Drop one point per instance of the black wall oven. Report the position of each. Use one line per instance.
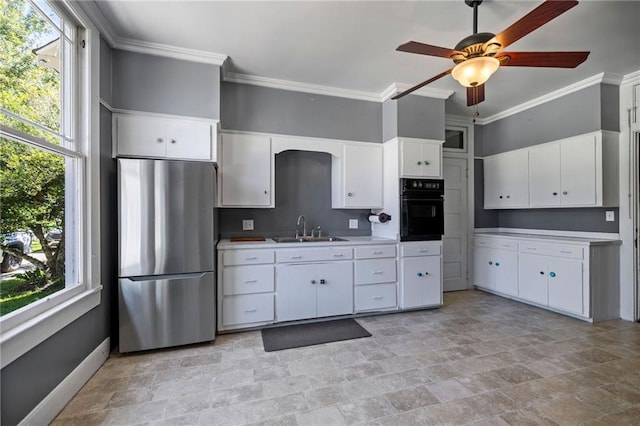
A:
(421, 209)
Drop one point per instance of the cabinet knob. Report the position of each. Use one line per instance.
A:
(419, 274)
(497, 264)
(552, 274)
(173, 141)
(159, 140)
(426, 163)
(323, 281)
(500, 197)
(555, 193)
(419, 163)
(490, 263)
(508, 196)
(349, 194)
(426, 274)
(265, 191)
(564, 192)
(313, 281)
(541, 272)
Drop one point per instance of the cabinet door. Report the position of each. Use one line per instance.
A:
(188, 140)
(507, 180)
(245, 171)
(411, 159)
(532, 277)
(362, 170)
(492, 186)
(578, 171)
(140, 136)
(421, 284)
(335, 289)
(431, 154)
(565, 285)
(544, 175)
(296, 292)
(505, 264)
(482, 268)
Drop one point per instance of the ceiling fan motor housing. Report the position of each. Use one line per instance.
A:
(473, 46)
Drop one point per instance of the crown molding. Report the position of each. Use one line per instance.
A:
(428, 92)
(606, 78)
(168, 51)
(99, 20)
(300, 87)
(632, 78)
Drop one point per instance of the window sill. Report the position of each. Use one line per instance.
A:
(19, 340)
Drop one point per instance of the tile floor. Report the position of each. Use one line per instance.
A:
(480, 359)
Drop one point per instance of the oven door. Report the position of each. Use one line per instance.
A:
(422, 219)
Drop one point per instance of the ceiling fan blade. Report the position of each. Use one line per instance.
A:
(542, 59)
(424, 83)
(426, 49)
(475, 95)
(539, 16)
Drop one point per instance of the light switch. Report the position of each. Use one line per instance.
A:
(610, 216)
(353, 223)
(247, 225)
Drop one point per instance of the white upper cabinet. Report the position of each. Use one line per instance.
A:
(420, 158)
(357, 177)
(149, 136)
(576, 172)
(580, 171)
(506, 180)
(245, 176)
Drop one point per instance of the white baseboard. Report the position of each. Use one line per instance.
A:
(52, 404)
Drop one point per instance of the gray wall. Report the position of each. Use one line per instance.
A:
(165, 85)
(263, 109)
(389, 120)
(303, 186)
(592, 108)
(421, 117)
(30, 378)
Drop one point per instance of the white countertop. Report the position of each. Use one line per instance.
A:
(549, 238)
(227, 244)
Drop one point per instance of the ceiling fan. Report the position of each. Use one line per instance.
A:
(479, 55)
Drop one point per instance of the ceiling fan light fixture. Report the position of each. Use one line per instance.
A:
(475, 71)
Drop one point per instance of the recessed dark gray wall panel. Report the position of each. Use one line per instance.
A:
(165, 85)
(389, 120)
(106, 59)
(478, 141)
(421, 117)
(263, 109)
(570, 115)
(610, 111)
(303, 186)
(482, 218)
(579, 219)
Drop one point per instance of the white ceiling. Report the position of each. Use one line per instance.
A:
(351, 44)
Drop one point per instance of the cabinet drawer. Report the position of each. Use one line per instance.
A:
(572, 252)
(247, 309)
(313, 255)
(375, 271)
(247, 279)
(374, 297)
(247, 257)
(497, 243)
(372, 252)
(420, 249)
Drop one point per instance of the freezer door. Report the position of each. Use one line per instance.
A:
(166, 217)
(166, 311)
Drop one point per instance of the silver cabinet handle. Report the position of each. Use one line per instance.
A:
(377, 297)
(377, 272)
(250, 281)
(338, 255)
(251, 258)
(424, 250)
(296, 257)
(250, 310)
(377, 252)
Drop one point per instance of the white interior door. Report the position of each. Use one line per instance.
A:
(455, 237)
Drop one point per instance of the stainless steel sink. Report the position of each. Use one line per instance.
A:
(306, 239)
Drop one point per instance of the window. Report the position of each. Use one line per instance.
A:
(455, 138)
(47, 159)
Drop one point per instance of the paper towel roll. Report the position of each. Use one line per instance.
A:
(379, 218)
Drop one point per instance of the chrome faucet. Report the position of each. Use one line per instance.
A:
(304, 226)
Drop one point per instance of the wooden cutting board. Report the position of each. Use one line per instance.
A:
(246, 239)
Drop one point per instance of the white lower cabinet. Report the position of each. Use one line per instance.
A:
(573, 276)
(421, 277)
(313, 290)
(375, 274)
(247, 309)
(375, 297)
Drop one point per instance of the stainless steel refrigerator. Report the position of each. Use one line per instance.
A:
(166, 256)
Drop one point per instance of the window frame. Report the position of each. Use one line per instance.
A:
(21, 332)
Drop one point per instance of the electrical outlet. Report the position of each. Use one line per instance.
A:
(353, 223)
(247, 225)
(610, 216)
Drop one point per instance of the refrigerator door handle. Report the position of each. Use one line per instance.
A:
(167, 277)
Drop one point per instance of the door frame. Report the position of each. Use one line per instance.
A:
(466, 125)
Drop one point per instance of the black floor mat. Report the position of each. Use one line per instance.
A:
(296, 336)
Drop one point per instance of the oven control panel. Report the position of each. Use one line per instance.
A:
(422, 184)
